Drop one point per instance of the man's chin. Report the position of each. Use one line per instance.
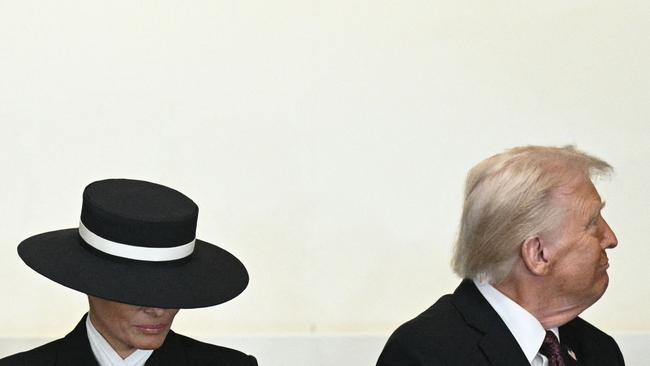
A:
(605, 282)
(600, 287)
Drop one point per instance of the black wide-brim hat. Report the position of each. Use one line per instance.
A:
(136, 244)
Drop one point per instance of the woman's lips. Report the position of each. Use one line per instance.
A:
(152, 328)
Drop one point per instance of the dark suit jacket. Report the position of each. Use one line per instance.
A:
(463, 329)
(177, 350)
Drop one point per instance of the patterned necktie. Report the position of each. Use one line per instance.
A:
(552, 350)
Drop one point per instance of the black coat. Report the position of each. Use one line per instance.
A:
(177, 350)
(463, 329)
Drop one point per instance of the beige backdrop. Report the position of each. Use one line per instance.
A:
(326, 142)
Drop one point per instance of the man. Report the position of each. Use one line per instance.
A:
(136, 257)
(531, 250)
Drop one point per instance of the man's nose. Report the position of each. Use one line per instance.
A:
(610, 241)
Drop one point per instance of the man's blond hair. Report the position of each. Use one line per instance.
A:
(508, 198)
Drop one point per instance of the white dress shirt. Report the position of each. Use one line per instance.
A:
(526, 329)
(106, 355)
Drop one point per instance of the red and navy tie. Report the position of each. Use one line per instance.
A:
(552, 350)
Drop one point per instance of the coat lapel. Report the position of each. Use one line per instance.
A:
(570, 346)
(570, 356)
(75, 348)
(498, 344)
(171, 353)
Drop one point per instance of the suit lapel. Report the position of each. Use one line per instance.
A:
(498, 344)
(171, 353)
(75, 348)
(569, 355)
(571, 346)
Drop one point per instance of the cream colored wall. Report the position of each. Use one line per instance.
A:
(326, 142)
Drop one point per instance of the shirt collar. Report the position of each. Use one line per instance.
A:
(106, 355)
(526, 329)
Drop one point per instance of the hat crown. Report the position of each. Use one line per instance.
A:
(139, 213)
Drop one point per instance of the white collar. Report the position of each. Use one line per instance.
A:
(106, 355)
(526, 329)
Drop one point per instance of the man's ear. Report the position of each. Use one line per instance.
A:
(535, 256)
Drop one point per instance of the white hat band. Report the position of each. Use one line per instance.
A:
(134, 252)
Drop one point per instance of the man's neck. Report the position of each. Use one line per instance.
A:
(550, 309)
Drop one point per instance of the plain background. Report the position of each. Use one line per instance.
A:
(325, 142)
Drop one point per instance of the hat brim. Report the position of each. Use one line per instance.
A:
(210, 276)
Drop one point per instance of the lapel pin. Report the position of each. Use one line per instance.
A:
(572, 354)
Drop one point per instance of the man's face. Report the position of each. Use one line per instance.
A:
(130, 327)
(579, 265)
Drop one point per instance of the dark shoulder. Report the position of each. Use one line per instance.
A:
(433, 323)
(42, 355)
(427, 338)
(201, 351)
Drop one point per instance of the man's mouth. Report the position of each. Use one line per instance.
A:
(604, 264)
